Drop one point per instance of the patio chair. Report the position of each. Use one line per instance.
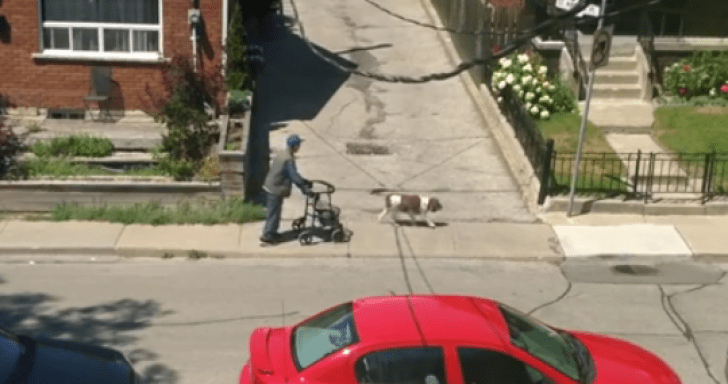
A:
(100, 91)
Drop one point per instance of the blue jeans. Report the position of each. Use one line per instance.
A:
(274, 206)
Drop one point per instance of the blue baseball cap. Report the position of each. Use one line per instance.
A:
(293, 140)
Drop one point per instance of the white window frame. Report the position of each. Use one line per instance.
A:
(100, 54)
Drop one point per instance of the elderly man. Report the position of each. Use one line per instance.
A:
(277, 185)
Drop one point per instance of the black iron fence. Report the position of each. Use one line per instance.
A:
(642, 175)
(636, 175)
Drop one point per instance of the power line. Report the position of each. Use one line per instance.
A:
(489, 33)
(442, 75)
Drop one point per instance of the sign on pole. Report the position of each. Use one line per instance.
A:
(600, 49)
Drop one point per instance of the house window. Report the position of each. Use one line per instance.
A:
(98, 28)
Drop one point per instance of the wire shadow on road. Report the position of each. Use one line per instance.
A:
(112, 324)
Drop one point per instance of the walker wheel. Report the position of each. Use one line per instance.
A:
(306, 238)
(338, 236)
(298, 223)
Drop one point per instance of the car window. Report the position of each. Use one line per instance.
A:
(482, 366)
(541, 341)
(10, 351)
(324, 335)
(424, 365)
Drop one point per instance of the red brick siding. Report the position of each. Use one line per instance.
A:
(57, 84)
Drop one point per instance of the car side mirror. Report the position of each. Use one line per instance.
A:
(431, 379)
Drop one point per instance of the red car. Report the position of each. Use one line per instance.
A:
(439, 339)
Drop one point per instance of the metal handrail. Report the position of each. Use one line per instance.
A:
(646, 39)
(571, 39)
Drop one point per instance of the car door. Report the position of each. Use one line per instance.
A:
(402, 365)
(485, 366)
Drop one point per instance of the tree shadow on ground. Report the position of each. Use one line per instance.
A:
(111, 324)
(296, 83)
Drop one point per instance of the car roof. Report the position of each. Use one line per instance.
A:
(429, 319)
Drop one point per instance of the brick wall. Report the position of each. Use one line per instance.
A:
(44, 83)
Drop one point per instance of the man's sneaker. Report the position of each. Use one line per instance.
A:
(270, 240)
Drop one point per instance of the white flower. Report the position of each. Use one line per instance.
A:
(528, 68)
(544, 114)
(520, 94)
(546, 85)
(502, 60)
(506, 64)
(543, 70)
(713, 92)
(551, 87)
(517, 87)
(534, 81)
(535, 110)
(510, 79)
(539, 89)
(500, 99)
(544, 99)
(530, 96)
(527, 79)
(528, 106)
(523, 58)
(502, 85)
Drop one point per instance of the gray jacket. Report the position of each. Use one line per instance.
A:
(282, 173)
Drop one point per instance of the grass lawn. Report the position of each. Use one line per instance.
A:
(692, 129)
(210, 212)
(602, 172)
(564, 129)
(61, 167)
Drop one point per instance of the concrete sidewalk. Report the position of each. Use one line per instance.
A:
(587, 237)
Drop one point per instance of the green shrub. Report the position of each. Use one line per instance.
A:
(526, 76)
(705, 73)
(75, 145)
(184, 109)
(238, 75)
(210, 169)
(10, 145)
(238, 101)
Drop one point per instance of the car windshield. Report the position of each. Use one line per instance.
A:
(541, 341)
(10, 351)
(323, 335)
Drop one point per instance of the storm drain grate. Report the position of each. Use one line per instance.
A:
(637, 270)
(366, 149)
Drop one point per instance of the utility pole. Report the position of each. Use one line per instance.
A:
(582, 131)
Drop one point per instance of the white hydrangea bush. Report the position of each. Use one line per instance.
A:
(527, 78)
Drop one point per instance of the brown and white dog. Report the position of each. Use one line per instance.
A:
(412, 205)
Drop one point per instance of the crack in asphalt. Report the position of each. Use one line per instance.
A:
(205, 322)
(343, 155)
(556, 300)
(338, 114)
(469, 147)
(688, 333)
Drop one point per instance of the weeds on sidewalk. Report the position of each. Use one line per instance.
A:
(211, 212)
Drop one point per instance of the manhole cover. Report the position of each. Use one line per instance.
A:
(366, 149)
(637, 270)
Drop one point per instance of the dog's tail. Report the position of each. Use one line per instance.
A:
(379, 191)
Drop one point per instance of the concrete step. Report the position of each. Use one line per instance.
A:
(621, 116)
(617, 91)
(616, 63)
(616, 77)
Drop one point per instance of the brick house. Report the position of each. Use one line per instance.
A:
(48, 47)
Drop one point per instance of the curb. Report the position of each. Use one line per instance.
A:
(495, 122)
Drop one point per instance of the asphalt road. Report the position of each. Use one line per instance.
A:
(188, 321)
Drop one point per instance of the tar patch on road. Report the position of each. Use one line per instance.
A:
(641, 273)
